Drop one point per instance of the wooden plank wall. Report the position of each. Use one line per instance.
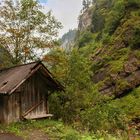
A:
(1, 108)
(14, 107)
(4, 108)
(29, 94)
(33, 93)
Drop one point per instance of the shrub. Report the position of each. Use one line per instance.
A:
(132, 3)
(72, 136)
(103, 117)
(115, 16)
(97, 22)
(85, 38)
(135, 41)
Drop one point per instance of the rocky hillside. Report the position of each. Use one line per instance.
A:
(67, 40)
(113, 30)
(85, 19)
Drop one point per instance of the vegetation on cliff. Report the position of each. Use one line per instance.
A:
(101, 74)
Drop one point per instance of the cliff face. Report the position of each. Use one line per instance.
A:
(67, 40)
(118, 61)
(115, 28)
(85, 20)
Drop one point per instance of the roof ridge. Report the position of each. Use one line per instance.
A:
(37, 62)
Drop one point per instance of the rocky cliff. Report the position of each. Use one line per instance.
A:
(85, 19)
(67, 40)
(115, 29)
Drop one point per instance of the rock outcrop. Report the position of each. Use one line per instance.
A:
(116, 59)
(85, 20)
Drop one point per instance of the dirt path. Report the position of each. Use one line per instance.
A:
(7, 136)
(37, 135)
(33, 135)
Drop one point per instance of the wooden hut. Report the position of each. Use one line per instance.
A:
(24, 92)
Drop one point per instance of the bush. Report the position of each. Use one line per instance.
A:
(103, 117)
(97, 22)
(85, 38)
(106, 39)
(132, 3)
(78, 87)
(135, 41)
(71, 136)
(115, 16)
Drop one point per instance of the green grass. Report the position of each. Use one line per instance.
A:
(55, 130)
(129, 104)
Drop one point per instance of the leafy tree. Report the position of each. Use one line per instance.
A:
(5, 58)
(57, 61)
(25, 29)
(73, 70)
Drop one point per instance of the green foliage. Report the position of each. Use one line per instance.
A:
(117, 65)
(113, 39)
(137, 54)
(5, 58)
(129, 104)
(77, 83)
(97, 22)
(115, 16)
(53, 129)
(103, 117)
(112, 116)
(121, 84)
(135, 41)
(57, 61)
(82, 102)
(85, 38)
(132, 3)
(106, 39)
(13, 128)
(71, 136)
(114, 32)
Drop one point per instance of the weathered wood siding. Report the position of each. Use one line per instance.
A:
(29, 100)
(3, 109)
(14, 107)
(32, 93)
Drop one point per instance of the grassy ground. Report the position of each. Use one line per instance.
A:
(51, 130)
(44, 129)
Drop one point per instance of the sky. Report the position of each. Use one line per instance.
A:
(66, 11)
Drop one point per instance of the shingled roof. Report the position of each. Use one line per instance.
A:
(12, 78)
